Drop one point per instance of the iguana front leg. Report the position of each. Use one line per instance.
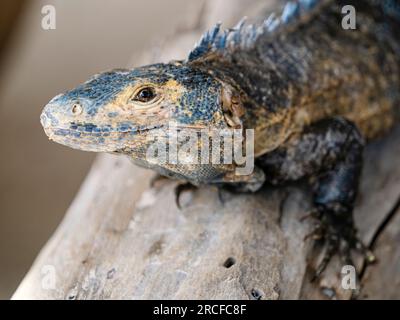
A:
(329, 153)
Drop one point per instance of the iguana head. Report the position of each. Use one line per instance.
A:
(116, 110)
(131, 111)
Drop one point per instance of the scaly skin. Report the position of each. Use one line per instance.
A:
(311, 91)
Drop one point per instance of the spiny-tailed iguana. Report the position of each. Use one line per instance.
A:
(311, 90)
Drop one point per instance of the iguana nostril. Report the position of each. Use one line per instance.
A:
(76, 109)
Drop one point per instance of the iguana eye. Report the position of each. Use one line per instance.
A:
(145, 95)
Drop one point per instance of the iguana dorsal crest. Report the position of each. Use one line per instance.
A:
(244, 36)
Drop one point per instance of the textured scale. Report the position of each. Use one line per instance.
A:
(244, 36)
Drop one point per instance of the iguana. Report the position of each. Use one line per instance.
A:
(312, 91)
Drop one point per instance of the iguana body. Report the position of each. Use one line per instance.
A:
(310, 89)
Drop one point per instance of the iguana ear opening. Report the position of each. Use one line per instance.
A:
(232, 107)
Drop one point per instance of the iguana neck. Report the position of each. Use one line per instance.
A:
(316, 70)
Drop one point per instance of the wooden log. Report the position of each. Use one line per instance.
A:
(122, 239)
(382, 280)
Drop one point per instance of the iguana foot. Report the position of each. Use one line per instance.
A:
(336, 231)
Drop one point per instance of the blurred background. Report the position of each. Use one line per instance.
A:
(38, 179)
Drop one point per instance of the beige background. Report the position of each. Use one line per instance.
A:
(38, 179)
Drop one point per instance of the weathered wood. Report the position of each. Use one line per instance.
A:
(382, 280)
(122, 239)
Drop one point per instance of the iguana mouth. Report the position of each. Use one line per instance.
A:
(97, 141)
(122, 128)
(78, 130)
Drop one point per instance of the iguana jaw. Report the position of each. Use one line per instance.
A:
(90, 137)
